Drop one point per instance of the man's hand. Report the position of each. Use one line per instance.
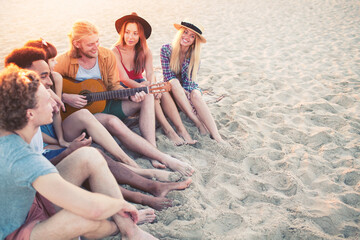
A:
(138, 97)
(129, 210)
(74, 100)
(79, 142)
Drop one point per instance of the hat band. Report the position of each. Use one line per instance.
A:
(193, 27)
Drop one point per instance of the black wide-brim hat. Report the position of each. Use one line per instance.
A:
(134, 17)
(193, 26)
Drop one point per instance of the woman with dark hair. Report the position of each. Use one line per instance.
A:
(133, 58)
(180, 62)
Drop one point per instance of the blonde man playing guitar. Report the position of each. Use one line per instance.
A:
(86, 60)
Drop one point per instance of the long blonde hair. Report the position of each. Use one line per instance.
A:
(79, 30)
(193, 53)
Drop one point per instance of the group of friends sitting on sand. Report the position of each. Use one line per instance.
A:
(54, 185)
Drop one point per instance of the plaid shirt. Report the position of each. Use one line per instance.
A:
(185, 80)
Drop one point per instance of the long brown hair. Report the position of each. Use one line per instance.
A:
(140, 48)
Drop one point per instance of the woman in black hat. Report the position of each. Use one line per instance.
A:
(180, 62)
(133, 58)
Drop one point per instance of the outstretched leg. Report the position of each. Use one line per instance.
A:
(124, 175)
(138, 144)
(82, 120)
(158, 203)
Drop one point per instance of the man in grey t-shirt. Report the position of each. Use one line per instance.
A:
(24, 106)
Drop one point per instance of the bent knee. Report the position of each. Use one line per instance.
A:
(113, 122)
(90, 157)
(195, 95)
(175, 83)
(83, 115)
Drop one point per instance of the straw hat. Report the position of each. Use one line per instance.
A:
(134, 17)
(193, 26)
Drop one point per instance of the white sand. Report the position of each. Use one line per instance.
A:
(290, 74)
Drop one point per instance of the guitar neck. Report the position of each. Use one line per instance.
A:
(115, 94)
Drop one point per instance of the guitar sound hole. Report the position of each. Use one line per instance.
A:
(86, 94)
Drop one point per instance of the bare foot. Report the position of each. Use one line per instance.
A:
(164, 176)
(157, 203)
(146, 216)
(157, 164)
(177, 165)
(178, 141)
(218, 138)
(187, 137)
(164, 188)
(202, 129)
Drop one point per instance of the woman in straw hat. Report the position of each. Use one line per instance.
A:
(133, 58)
(180, 63)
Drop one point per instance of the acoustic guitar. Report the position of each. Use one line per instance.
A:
(96, 94)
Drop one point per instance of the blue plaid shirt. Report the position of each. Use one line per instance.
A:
(185, 80)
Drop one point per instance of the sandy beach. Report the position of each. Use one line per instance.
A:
(282, 80)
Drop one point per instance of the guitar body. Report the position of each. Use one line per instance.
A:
(82, 88)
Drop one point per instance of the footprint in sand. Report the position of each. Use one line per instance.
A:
(256, 165)
(351, 232)
(222, 196)
(276, 146)
(225, 222)
(341, 100)
(284, 183)
(252, 197)
(352, 199)
(275, 155)
(326, 224)
(352, 178)
(316, 107)
(317, 140)
(295, 135)
(330, 121)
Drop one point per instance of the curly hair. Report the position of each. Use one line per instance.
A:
(25, 56)
(18, 89)
(49, 49)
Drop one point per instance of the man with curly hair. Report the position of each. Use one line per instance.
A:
(27, 191)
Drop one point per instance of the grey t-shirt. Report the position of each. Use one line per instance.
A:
(20, 166)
